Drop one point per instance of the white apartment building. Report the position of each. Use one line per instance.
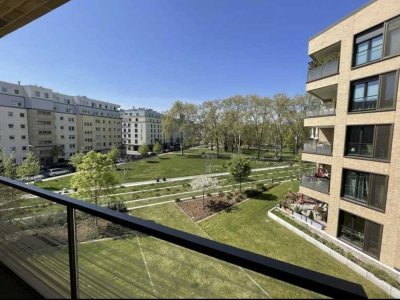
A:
(54, 125)
(140, 126)
(13, 120)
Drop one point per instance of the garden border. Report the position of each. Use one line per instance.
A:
(389, 289)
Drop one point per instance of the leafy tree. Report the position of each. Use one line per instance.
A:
(76, 159)
(181, 118)
(30, 166)
(239, 167)
(143, 150)
(57, 151)
(209, 114)
(279, 107)
(113, 155)
(9, 166)
(94, 177)
(157, 147)
(203, 183)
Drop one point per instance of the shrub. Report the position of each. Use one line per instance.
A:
(208, 194)
(221, 193)
(118, 206)
(178, 200)
(252, 192)
(193, 197)
(229, 196)
(261, 186)
(311, 215)
(240, 197)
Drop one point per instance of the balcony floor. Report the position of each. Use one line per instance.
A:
(12, 288)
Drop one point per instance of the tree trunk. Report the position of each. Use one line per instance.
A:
(181, 143)
(203, 199)
(217, 142)
(259, 149)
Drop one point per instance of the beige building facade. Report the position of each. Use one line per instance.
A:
(355, 124)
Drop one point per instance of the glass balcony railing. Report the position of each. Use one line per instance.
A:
(67, 248)
(320, 110)
(315, 183)
(324, 70)
(317, 147)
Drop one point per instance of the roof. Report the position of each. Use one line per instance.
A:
(15, 14)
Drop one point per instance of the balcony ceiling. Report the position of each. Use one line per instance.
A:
(325, 93)
(16, 13)
(325, 52)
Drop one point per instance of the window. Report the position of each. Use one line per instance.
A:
(372, 141)
(23, 137)
(61, 118)
(392, 37)
(4, 89)
(45, 113)
(10, 114)
(16, 92)
(22, 115)
(23, 148)
(365, 188)
(361, 233)
(46, 95)
(11, 137)
(22, 126)
(11, 126)
(37, 94)
(368, 46)
(374, 93)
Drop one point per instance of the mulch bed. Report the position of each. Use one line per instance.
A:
(195, 210)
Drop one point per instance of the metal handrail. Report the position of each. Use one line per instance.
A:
(298, 276)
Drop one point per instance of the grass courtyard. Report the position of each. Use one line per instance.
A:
(169, 166)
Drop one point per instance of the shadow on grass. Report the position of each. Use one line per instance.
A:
(164, 158)
(152, 162)
(265, 197)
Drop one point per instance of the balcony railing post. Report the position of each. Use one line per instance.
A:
(73, 253)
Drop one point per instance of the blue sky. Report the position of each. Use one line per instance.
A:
(149, 53)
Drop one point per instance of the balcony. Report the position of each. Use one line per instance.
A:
(320, 109)
(52, 248)
(317, 72)
(316, 147)
(315, 183)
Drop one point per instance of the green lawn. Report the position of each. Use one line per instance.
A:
(249, 228)
(169, 166)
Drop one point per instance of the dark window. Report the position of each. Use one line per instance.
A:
(367, 189)
(368, 46)
(388, 90)
(374, 93)
(372, 141)
(392, 44)
(361, 233)
(365, 95)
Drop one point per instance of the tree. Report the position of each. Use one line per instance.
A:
(113, 154)
(209, 114)
(157, 147)
(181, 118)
(203, 183)
(76, 159)
(143, 150)
(8, 165)
(57, 151)
(258, 114)
(94, 177)
(239, 167)
(30, 166)
(279, 107)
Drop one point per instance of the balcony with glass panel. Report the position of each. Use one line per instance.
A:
(320, 142)
(317, 178)
(67, 248)
(324, 63)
